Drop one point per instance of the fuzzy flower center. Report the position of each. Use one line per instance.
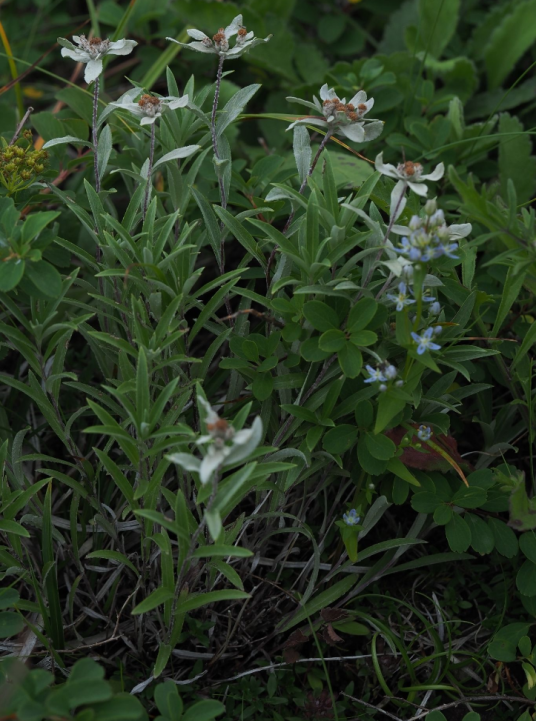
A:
(94, 47)
(343, 113)
(220, 41)
(150, 105)
(410, 170)
(220, 431)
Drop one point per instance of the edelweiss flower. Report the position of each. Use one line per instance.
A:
(227, 445)
(150, 107)
(340, 117)
(219, 45)
(425, 341)
(351, 518)
(92, 51)
(409, 175)
(402, 299)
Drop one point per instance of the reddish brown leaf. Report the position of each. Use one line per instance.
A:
(331, 636)
(295, 639)
(428, 459)
(291, 655)
(331, 615)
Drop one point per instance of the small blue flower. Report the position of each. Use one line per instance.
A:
(375, 375)
(424, 433)
(447, 249)
(402, 299)
(425, 341)
(351, 518)
(435, 308)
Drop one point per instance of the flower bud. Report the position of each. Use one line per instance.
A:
(430, 206)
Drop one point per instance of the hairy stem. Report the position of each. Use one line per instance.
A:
(149, 171)
(213, 126)
(220, 180)
(95, 148)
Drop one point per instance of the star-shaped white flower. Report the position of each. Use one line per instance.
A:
(149, 107)
(409, 175)
(219, 44)
(226, 446)
(93, 51)
(340, 117)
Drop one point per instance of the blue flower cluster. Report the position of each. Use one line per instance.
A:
(429, 239)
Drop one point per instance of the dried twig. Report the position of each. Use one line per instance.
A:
(20, 126)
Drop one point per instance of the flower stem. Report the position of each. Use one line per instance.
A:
(220, 179)
(385, 238)
(290, 218)
(149, 171)
(213, 126)
(95, 148)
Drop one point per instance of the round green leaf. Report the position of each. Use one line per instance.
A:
(320, 315)
(380, 446)
(482, 539)
(350, 361)
(332, 340)
(443, 514)
(11, 623)
(262, 386)
(363, 338)
(458, 534)
(340, 439)
(11, 271)
(526, 579)
(505, 539)
(527, 544)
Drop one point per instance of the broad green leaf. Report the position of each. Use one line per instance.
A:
(11, 623)
(509, 41)
(11, 272)
(320, 315)
(506, 542)
(350, 360)
(380, 446)
(458, 534)
(153, 600)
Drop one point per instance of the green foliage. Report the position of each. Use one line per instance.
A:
(238, 393)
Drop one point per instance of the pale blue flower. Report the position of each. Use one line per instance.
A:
(402, 299)
(424, 433)
(425, 341)
(351, 518)
(375, 375)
